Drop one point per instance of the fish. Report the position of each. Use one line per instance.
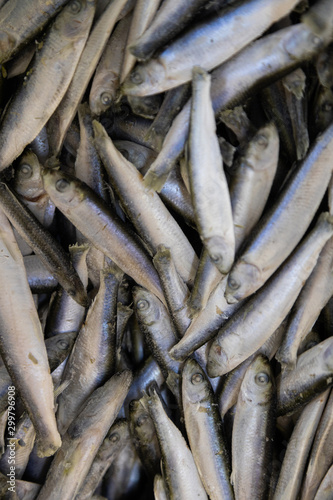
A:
(106, 81)
(247, 330)
(83, 439)
(294, 461)
(262, 254)
(155, 223)
(208, 41)
(253, 431)
(105, 230)
(182, 483)
(46, 80)
(208, 445)
(208, 185)
(18, 343)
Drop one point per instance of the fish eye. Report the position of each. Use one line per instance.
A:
(262, 140)
(136, 78)
(61, 186)
(142, 305)
(262, 378)
(76, 6)
(141, 420)
(25, 170)
(197, 378)
(105, 98)
(316, 41)
(216, 258)
(114, 438)
(233, 284)
(63, 344)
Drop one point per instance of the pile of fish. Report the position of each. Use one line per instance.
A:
(166, 249)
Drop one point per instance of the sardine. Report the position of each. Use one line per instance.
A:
(209, 189)
(290, 216)
(294, 461)
(21, 21)
(311, 376)
(144, 437)
(92, 361)
(155, 223)
(182, 482)
(106, 83)
(143, 13)
(65, 112)
(324, 491)
(113, 442)
(47, 79)
(208, 445)
(209, 41)
(80, 205)
(22, 341)
(83, 439)
(249, 328)
(321, 455)
(253, 432)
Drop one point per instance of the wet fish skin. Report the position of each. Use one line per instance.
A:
(253, 430)
(108, 233)
(93, 49)
(252, 181)
(299, 445)
(143, 14)
(83, 439)
(204, 430)
(144, 437)
(168, 22)
(232, 82)
(209, 190)
(92, 360)
(43, 244)
(250, 271)
(39, 277)
(106, 83)
(25, 345)
(247, 330)
(114, 440)
(173, 66)
(324, 491)
(47, 79)
(21, 21)
(28, 184)
(313, 297)
(155, 223)
(312, 376)
(66, 315)
(321, 456)
(182, 482)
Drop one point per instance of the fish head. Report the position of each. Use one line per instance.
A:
(243, 280)
(221, 253)
(58, 347)
(259, 151)
(195, 385)
(76, 16)
(117, 436)
(101, 100)
(62, 188)
(144, 79)
(258, 384)
(27, 176)
(141, 421)
(147, 306)
(217, 360)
